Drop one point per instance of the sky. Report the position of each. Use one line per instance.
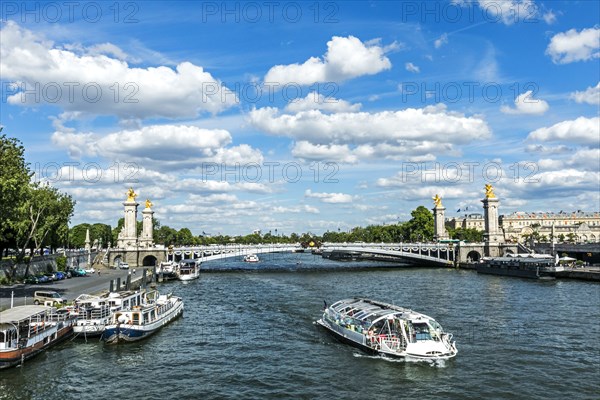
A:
(305, 116)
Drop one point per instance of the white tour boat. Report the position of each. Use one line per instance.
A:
(389, 330)
(168, 269)
(95, 312)
(251, 258)
(188, 270)
(143, 320)
(27, 330)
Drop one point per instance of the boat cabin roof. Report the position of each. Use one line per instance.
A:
(189, 261)
(21, 313)
(371, 310)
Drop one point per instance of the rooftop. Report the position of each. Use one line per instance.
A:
(21, 313)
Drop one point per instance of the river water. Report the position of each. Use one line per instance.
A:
(249, 334)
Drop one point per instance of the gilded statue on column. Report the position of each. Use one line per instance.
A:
(131, 195)
(489, 192)
(148, 203)
(437, 201)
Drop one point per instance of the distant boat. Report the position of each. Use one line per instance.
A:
(95, 312)
(143, 320)
(28, 330)
(535, 267)
(251, 258)
(188, 270)
(386, 329)
(168, 269)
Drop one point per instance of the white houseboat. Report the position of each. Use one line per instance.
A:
(27, 330)
(535, 266)
(95, 312)
(188, 269)
(168, 269)
(138, 322)
(388, 330)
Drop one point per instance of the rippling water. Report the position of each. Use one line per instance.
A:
(250, 334)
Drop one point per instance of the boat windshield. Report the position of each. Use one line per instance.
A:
(421, 330)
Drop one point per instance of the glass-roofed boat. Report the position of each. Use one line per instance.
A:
(386, 329)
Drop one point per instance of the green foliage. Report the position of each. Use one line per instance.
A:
(420, 226)
(5, 280)
(61, 263)
(466, 234)
(14, 184)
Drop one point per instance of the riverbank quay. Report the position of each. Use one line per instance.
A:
(578, 273)
(22, 294)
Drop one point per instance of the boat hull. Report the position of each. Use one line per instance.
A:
(189, 277)
(119, 333)
(515, 272)
(346, 340)
(89, 330)
(11, 358)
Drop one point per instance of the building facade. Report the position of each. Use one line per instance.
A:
(574, 227)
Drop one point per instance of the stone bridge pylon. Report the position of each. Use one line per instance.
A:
(131, 249)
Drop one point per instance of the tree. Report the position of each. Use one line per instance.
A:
(466, 234)
(185, 237)
(44, 211)
(14, 185)
(420, 226)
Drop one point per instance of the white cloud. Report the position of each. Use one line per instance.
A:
(442, 40)
(549, 17)
(526, 104)
(174, 146)
(410, 67)
(346, 58)
(317, 101)
(591, 95)
(296, 209)
(568, 180)
(507, 11)
(581, 130)
(410, 134)
(433, 123)
(335, 198)
(572, 46)
(331, 152)
(98, 81)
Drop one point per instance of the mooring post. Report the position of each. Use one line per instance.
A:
(118, 284)
(144, 278)
(111, 288)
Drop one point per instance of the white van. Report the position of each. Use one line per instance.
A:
(48, 297)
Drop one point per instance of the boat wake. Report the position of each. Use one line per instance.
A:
(432, 363)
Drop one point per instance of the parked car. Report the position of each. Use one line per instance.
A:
(90, 270)
(48, 296)
(60, 275)
(51, 276)
(43, 279)
(124, 266)
(31, 279)
(75, 271)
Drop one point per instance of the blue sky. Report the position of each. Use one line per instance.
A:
(305, 116)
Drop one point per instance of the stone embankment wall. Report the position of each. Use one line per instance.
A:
(42, 264)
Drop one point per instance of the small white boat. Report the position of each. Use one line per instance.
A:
(168, 269)
(388, 330)
(251, 258)
(28, 330)
(143, 320)
(188, 270)
(95, 312)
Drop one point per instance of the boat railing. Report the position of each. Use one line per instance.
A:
(389, 342)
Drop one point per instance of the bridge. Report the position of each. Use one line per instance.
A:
(434, 254)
